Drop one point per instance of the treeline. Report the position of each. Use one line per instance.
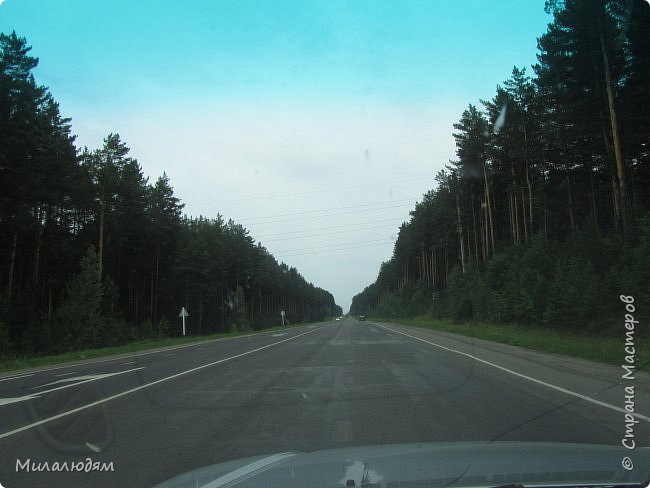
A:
(543, 216)
(92, 254)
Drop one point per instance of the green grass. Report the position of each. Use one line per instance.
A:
(604, 349)
(16, 363)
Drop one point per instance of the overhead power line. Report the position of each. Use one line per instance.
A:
(330, 215)
(346, 231)
(323, 251)
(325, 190)
(333, 245)
(339, 226)
(305, 212)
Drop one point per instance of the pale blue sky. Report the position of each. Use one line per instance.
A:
(258, 109)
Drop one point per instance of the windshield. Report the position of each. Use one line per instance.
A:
(242, 236)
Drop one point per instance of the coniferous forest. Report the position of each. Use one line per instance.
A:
(543, 217)
(93, 254)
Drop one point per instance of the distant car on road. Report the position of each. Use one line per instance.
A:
(362, 318)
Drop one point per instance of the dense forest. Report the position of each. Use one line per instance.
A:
(543, 218)
(92, 254)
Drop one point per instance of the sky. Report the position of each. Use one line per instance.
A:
(315, 124)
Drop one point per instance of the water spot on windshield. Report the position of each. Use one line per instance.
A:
(501, 120)
(367, 158)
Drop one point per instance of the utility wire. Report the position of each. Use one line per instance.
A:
(352, 224)
(323, 251)
(412, 200)
(333, 245)
(329, 233)
(323, 190)
(332, 214)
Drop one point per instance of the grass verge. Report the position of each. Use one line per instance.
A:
(604, 349)
(17, 363)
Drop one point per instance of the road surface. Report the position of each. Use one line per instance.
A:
(157, 414)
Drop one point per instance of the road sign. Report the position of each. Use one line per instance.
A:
(183, 313)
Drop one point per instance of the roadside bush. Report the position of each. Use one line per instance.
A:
(146, 330)
(461, 295)
(239, 320)
(572, 293)
(632, 277)
(163, 327)
(5, 342)
(39, 337)
(78, 323)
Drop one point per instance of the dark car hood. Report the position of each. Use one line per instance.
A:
(462, 464)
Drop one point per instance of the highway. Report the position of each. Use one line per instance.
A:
(156, 414)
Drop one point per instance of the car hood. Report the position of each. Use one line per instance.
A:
(462, 464)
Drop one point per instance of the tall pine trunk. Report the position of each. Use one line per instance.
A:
(618, 150)
(459, 229)
(100, 256)
(489, 222)
(529, 183)
(570, 199)
(12, 266)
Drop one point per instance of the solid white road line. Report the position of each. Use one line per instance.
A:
(7, 378)
(523, 376)
(147, 385)
(7, 401)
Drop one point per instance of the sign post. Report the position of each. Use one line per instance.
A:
(183, 313)
(282, 313)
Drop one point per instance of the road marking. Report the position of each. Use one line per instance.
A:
(64, 374)
(16, 377)
(80, 380)
(529, 378)
(7, 401)
(147, 385)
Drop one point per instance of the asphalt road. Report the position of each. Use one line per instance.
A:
(157, 414)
